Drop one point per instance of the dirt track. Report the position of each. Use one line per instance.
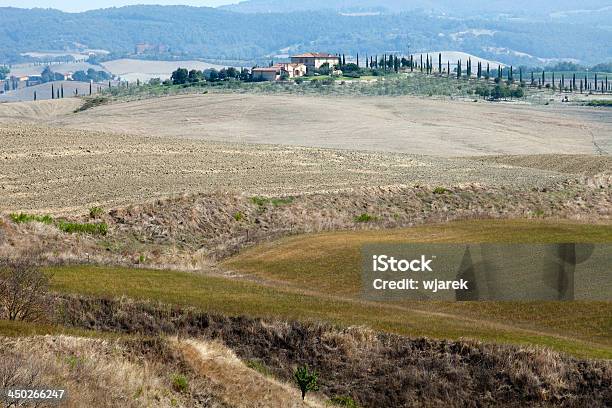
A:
(402, 124)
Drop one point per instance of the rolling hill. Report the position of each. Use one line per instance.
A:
(223, 34)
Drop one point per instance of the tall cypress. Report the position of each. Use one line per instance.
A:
(52, 92)
(488, 71)
(440, 62)
(459, 69)
(448, 68)
(357, 59)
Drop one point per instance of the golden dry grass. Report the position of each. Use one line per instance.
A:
(240, 386)
(95, 373)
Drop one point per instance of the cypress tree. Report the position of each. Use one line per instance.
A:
(62, 91)
(595, 81)
(34, 95)
(459, 69)
(562, 82)
(488, 72)
(553, 80)
(520, 75)
(357, 59)
(89, 88)
(448, 68)
(343, 60)
(411, 63)
(52, 92)
(440, 62)
(421, 62)
(543, 78)
(574, 81)
(532, 79)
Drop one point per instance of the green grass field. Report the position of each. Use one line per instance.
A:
(304, 269)
(233, 297)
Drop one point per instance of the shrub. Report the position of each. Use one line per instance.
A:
(276, 202)
(180, 383)
(238, 216)
(96, 212)
(440, 190)
(23, 218)
(259, 367)
(23, 288)
(86, 228)
(307, 380)
(364, 218)
(343, 401)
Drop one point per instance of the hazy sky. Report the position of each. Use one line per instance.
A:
(80, 5)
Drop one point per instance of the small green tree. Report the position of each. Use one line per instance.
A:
(180, 76)
(4, 71)
(307, 380)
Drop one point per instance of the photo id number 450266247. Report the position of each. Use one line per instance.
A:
(18, 394)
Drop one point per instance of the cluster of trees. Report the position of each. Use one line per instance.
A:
(91, 75)
(183, 76)
(4, 71)
(500, 91)
(48, 75)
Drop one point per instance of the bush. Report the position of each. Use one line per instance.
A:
(238, 216)
(364, 218)
(23, 289)
(86, 228)
(180, 383)
(440, 190)
(307, 380)
(259, 367)
(96, 212)
(24, 218)
(343, 401)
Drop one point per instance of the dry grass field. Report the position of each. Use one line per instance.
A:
(55, 160)
(67, 171)
(402, 124)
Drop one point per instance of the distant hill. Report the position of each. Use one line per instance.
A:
(450, 7)
(221, 34)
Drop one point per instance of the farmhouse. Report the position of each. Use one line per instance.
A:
(278, 71)
(314, 60)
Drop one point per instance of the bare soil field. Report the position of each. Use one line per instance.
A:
(63, 170)
(390, 124)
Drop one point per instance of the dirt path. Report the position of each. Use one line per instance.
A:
(240, 386)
